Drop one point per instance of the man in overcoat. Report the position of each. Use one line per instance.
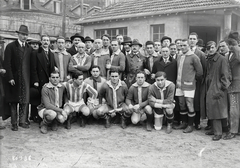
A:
(42, 65)
(216, 83)
(17, 65)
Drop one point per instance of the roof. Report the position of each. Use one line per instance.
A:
(94, 7)
(79, 5)
(136, 8)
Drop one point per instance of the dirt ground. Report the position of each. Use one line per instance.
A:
(97, 147)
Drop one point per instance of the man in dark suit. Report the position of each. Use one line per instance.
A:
(17, 65)
(89, 45)
(42, 65)
(76, 38)
(193, 39)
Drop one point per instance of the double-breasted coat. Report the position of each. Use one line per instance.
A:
(17, 65)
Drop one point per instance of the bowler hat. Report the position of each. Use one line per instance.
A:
(68, 39)
(23, 29)
(136, 42)
(35, 41)
(77, 35)
(234, 35)
(87, 38)
(166, 37)
(126, 39)
(200, 43)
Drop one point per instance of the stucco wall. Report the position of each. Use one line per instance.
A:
(176, 26)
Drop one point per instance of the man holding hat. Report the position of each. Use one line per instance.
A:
(89, 45)
(76, 38)
(166, 41)
(134, 62)
(17, 65)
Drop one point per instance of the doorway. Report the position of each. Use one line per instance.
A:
(206, 33)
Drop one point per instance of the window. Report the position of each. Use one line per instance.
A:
(25, 4)
(56, 7)
(157, 32)
(112, 32)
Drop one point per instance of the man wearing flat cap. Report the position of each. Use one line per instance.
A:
(166, 41)
(17, 65)
(89, 45)
(216, 84)
(76, 38)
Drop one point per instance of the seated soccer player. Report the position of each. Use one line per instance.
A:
(137, 100)
(114, 92)
(74, 99)
(161, 99)
(50, 110)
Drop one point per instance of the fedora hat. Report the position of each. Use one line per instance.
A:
(87, 38)
(68, 39)
(234, 35)
(136, 42)
(23, 29)
(126, 39)
(77, 35)
(165, 38)
(200, 43)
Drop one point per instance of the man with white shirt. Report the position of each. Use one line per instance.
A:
(42, 64)
(117, 59)
(89, 45)
(17, 66)
(100, 57)
(173, 50)
(189, 67)
(62, 59)
(157, 47)
(80, 62)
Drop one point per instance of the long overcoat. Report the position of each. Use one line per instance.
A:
(216, 84)
(17, 65)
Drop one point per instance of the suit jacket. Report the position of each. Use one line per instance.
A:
(156, 57)
(66, 60)
(17, 65)
(40, 71)
(170, 68)
(72, 50)
(89, 52)
(234, 63)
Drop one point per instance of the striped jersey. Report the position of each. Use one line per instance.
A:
(75, 94)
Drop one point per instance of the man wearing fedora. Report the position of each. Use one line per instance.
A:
(166, 41)
(127, 41)
(68, 43)
(76, 38)
(89, 45)
(17, 65)
(134, 62)
(42, 65)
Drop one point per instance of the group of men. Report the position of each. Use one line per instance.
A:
(110, 78)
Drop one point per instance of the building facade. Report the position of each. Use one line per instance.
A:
(152, 19)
